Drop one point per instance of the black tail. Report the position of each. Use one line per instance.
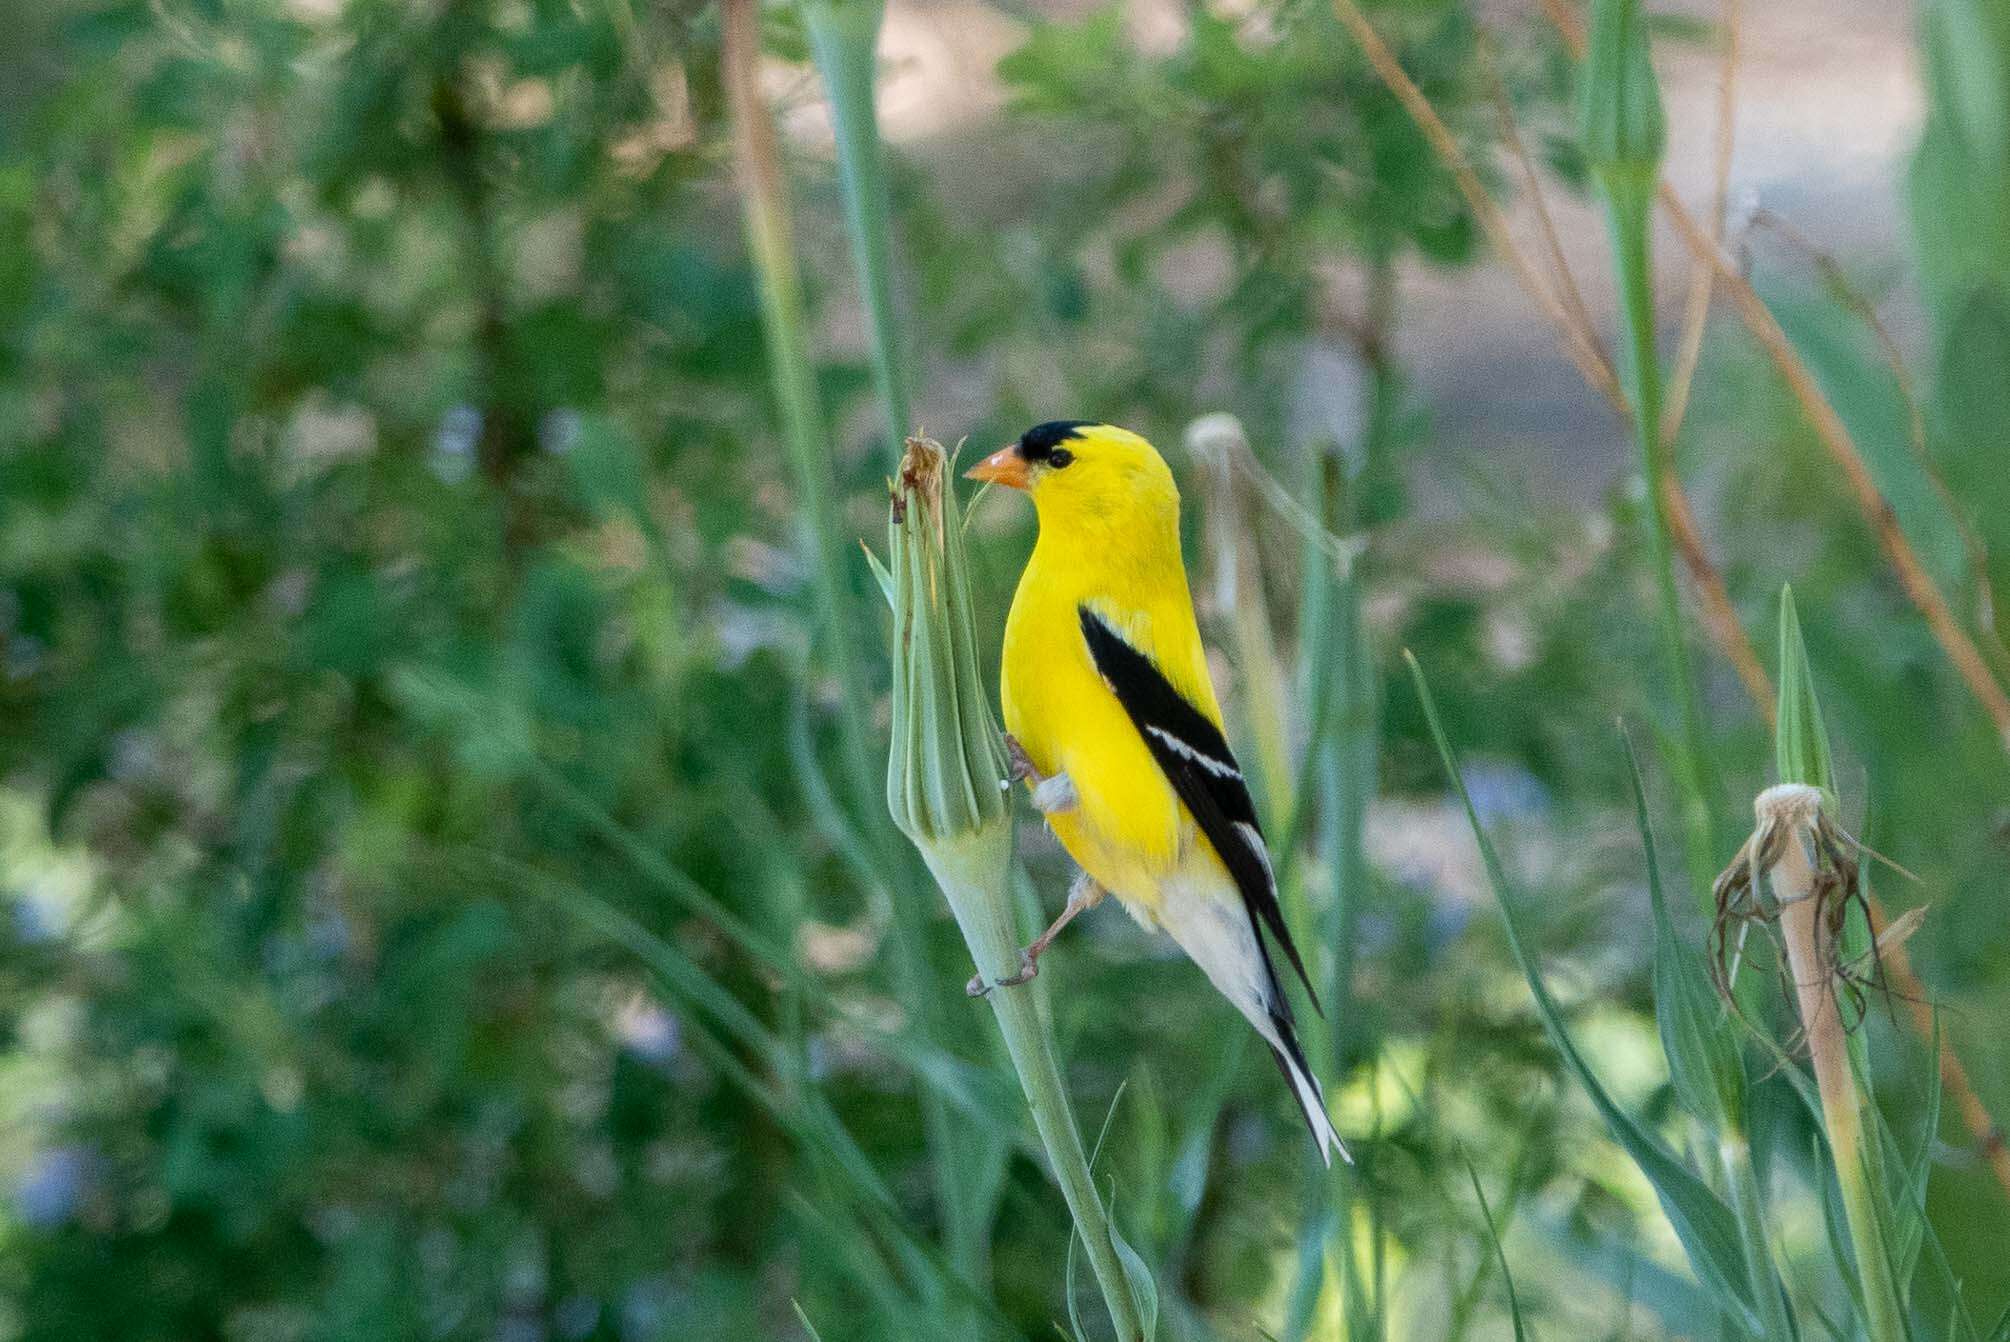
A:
(1305, 1087)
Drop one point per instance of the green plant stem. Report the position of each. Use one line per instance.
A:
(1628, 205)
(844, 42)
(976, 882)
(770, 239)
(1338, 685)
(1734, 1151)
(1347, 734)
(1809, 957)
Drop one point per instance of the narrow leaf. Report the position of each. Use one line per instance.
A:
(880, 573)
(1500, 1254)
(1143, 1289)
(1801, 742)
(1703, 1060)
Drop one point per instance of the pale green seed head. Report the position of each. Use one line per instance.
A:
(945, 773)
(1619, 99)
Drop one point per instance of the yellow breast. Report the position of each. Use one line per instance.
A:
(1128, 829)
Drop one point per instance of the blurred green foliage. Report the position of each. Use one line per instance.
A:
(407, 654)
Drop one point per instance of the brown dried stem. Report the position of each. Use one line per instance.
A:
(1912, 576)
(1573, 300)
(1696, 312)
(1580, 344)
(1858, 303)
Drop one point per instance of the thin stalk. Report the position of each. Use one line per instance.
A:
(1627, 214)
(967, 876)
(1345, 737)
(1338, 683)
(844, 43)
(1810, 955)
(945, 790)
(1734, 1151)
(770, 239)
(785, 327)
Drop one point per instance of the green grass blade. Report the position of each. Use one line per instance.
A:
(1708, 1073)
(1143, 1289)
(976, 1094)
(1703, 1061)
(1910, 1194)
(1835, 1222)
(1706, 1227)
(1500, 1254)
(1914, 1238)
(1801, 741)
(844, 41)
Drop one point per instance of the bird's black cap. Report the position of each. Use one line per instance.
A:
(1038, 443)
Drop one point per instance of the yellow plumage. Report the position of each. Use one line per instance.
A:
(1111, 540)
(1130, 724)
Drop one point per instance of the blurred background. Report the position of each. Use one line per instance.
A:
(442, 706)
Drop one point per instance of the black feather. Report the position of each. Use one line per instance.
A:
(1038, 443)
(1196, 760)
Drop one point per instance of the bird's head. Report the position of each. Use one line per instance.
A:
(1079, 470)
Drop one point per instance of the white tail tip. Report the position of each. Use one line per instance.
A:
(1312, 1100)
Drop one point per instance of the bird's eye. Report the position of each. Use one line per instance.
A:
(1061, 457)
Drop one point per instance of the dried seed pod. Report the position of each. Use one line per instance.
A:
(1796, 852)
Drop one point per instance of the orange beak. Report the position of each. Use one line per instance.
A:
(1003, 467)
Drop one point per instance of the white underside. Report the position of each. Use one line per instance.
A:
(1217, 935)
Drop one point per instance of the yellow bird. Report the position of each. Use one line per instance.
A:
(1112, 719)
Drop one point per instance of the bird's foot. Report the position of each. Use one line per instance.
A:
(1019, 765)
(1053, 793)
(1029, 966)
(1085, 893)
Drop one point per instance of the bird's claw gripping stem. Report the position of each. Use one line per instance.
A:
(1053, 793)
(1018, 763)
(1084, 893)
(1029, 965)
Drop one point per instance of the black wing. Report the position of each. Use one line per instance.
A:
(1197, 761)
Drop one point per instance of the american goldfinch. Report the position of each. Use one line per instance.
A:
(1112, 719)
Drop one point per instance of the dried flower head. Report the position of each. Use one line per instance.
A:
(1796, 851)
